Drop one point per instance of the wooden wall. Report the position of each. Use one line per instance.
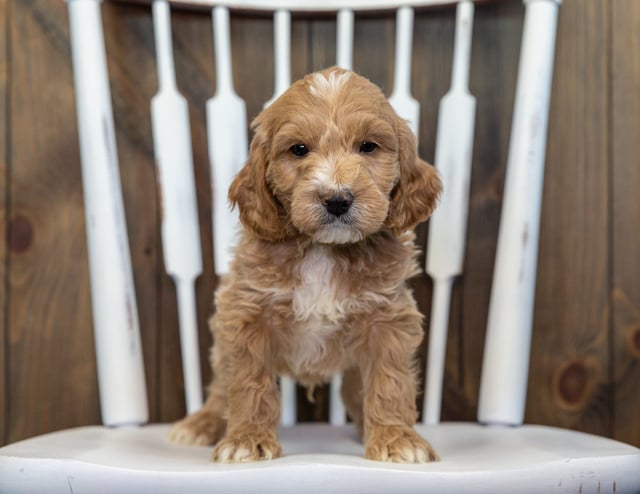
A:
(585, 367)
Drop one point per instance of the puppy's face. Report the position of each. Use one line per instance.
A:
(334, 157)
(331, 161)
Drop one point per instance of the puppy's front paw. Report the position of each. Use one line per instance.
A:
(198, 429)
(398, 445)
(247, 447)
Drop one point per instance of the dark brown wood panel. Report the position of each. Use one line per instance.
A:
(51, 364)
(569, 379)
(625, 296)
(4, 133)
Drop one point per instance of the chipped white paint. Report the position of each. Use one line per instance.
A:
(448, 224)
(503, 386)
(180, 225)
(227, 143)
(121, 380)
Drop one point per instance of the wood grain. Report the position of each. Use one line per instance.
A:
(51, 364)
(625, 217)
(569, 370)
(4, 137)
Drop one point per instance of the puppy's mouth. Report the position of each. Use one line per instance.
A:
(337, 231)
(336, 218)
(338, 224)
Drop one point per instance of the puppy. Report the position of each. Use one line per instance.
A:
(327, 199)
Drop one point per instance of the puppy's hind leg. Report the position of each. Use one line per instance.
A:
(207, 425)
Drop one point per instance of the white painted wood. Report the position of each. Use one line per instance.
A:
(434, 374)
(317, 5)
(448, 224)
(506, 355)
(337, 410)
(189, 346)
(288, 405)
(403, 103)
(180, 226)
(121, 380)
(227, 141)
(326, 459)
(282, 48)
(344, 42)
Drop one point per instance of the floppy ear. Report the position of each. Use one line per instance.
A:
(259, 209)
(416, 194)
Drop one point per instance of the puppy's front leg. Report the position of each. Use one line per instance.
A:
(390, 400)
(389, 416)
(254, 409)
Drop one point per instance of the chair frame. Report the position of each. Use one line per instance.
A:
(485, 457)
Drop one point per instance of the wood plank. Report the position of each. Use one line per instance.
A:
(52, 378)
(4, 133)
(569, 370)
(625, 129)
(373, 50)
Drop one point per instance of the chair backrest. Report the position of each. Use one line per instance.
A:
(503, 385)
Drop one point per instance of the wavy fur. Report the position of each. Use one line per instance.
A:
(311, 293)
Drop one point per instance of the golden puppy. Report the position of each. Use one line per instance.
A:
(328, 198)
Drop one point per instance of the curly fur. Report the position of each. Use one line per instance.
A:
(311, 293)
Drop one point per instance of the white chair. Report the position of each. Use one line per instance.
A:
(496, 455)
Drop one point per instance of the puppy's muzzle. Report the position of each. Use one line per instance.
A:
(338, 204)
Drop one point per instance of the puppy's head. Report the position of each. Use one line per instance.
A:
(330, 160)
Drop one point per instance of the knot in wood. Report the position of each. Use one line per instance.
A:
(575, 383)
(634, 340)
(20, 233)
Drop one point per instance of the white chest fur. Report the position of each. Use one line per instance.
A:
(318, 306)
(317, 295)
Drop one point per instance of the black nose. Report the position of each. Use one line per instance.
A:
(338, 204)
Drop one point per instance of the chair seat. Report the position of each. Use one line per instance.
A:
(322, 458)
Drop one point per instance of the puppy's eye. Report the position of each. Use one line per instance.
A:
(299, 149)
(368, 147)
